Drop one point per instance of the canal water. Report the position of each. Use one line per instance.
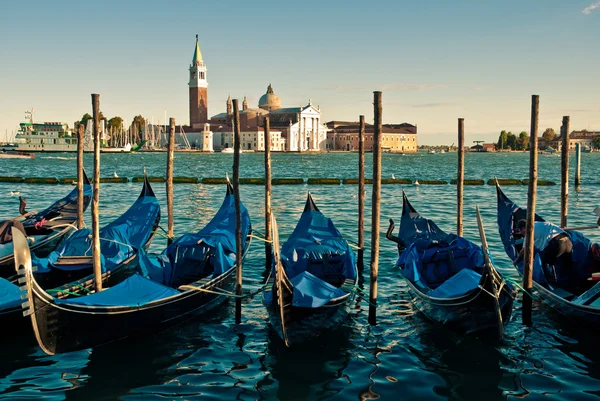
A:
(403, 357)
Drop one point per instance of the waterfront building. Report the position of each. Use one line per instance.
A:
(583, 137)
(251, 140)
(343, 135)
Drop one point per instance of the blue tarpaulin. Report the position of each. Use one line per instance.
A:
(314, 254)
(133, 291)
(433, 258)
(10, 295)
(119, 240)
(312, 292)
(457, 285)
(215, 244)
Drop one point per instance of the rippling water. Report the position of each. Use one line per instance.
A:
(404, 356)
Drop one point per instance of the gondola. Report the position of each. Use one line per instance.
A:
(581, 305)
(120, 241)
(68, 269)
(450, 279)
(192, 275)
(44, 229)
(313, 281)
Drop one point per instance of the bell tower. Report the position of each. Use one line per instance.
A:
(198, 90)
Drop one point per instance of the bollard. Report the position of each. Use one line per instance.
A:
(460, 177)
(564, 173)
(268, 185)
(238, 210)
(169, 185)
(96, 196)
(361, 194)
(80, 203)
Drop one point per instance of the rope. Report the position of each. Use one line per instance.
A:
(261, 239)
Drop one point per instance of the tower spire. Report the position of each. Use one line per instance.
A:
(197, 54)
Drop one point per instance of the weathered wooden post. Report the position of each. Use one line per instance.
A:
(80, 200)
(564, 171)
(460, 178)
(376, 200)
(96, 195)
(268, 244)
(238, 211)
(361, 194)
(170, 156)
(531, 195)
(578, 162)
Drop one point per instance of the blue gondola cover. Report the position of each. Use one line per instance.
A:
(133, 291)
(10, 295)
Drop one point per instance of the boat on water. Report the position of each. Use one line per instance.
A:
(191, 276)
(124, 149)
(431, 151)
(120, 242)
(229, 150)
(11, 154)
(67, 270)
(450, 279)
(44, 229)
(587, 149)
(572, 294)
(313, 279)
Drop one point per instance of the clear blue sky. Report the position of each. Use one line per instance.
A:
(435, 61)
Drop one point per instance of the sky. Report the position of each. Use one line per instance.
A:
(434, 61)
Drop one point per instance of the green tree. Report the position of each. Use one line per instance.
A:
(549, 134)
(511, 141)
(502, 139)
(523, 141)
(597, 142)
(138, 124)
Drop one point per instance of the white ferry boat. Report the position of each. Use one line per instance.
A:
(48, 137)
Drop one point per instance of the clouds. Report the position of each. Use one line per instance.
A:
(588, 10)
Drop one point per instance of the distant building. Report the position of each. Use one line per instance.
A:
(585, 138)
(343, 135)
(488, 147)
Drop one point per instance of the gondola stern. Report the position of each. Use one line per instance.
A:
(147, 188)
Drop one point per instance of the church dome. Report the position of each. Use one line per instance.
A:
(269, 101)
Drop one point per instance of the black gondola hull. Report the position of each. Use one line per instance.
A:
(475, 313)
(63, 328)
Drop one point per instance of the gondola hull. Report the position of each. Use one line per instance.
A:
(474, 313)
(63, 328)
(304, 324)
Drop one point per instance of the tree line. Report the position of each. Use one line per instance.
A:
(510, 141)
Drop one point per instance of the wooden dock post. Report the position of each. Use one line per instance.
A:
(170, 156)
(578, 163)
(96, 196)
(531, 197)
(268, 238)
(564, 171)
(460, 177)
(361, 194)
(376, 203)
(238, 211)
(80, 200)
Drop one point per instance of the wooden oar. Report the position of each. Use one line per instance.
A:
(491, 271)
(596, 212)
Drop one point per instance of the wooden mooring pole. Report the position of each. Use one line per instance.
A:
(578, 164)
(376, 203)
(170, 156)
(361, 194)
(80, 195)
(531, 197)
(238, 211)
(460, 177)
(268, 237)
(564, 170)
(96, 196)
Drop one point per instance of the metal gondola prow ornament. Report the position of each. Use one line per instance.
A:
(23, 268)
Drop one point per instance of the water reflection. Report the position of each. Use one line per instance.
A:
(314, 370)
